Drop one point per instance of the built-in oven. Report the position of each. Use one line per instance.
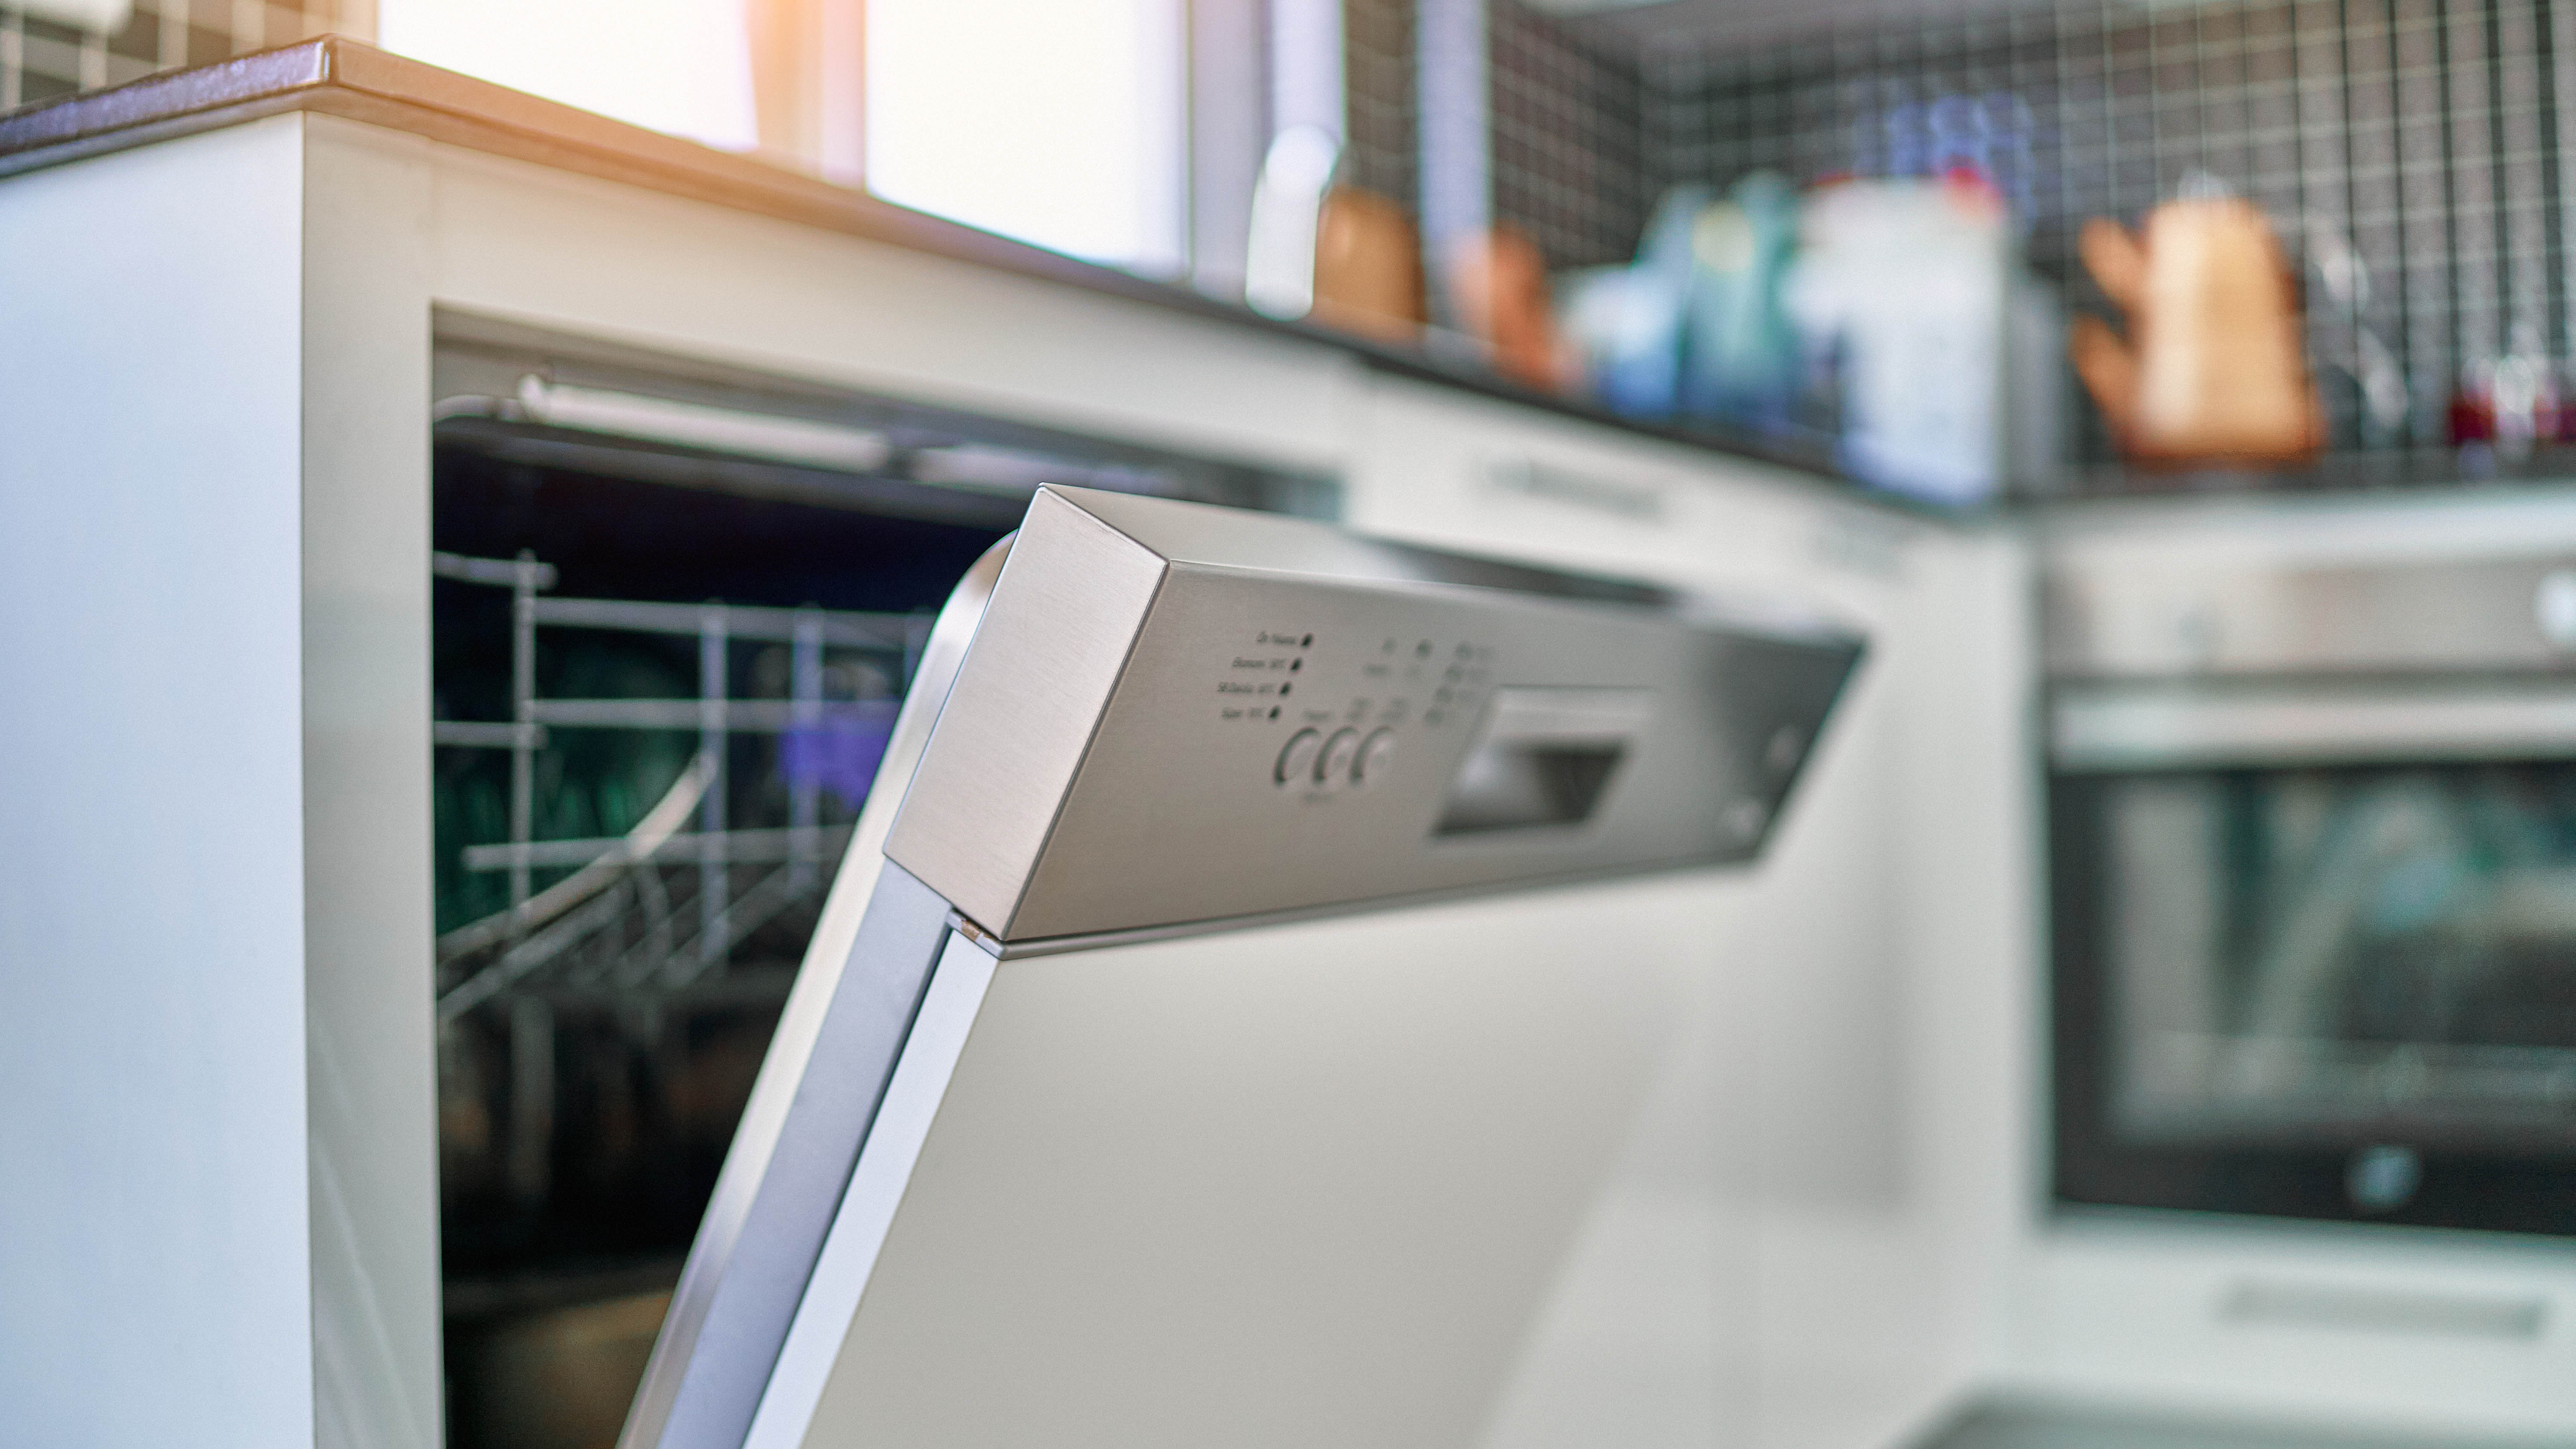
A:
(2312, 835)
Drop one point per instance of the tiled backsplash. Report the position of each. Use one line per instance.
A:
(1377, 78)
(2418, 140)
(40, 60)
(1569, 140)
(2422, 137)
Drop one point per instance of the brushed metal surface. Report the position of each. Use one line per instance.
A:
(1296, 1186)
(877, 1183)
(756, 1248)
(1095, 785)
(909, 923)
(2007, 1423)
(2112, 728)
(2169, 616)
(1045, 660)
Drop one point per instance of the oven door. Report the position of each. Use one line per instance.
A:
(2316, 950)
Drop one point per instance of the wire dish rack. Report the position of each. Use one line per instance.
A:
(662, 905)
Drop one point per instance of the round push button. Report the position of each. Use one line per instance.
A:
(2553, 607)
(1297, 759)
(1788, 744)
(1333, 767)
(1376, 753)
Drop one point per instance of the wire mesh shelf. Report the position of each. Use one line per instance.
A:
(663, 905)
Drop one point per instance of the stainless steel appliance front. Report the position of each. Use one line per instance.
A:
(2314, 849)
(1181, 715)
(1176, 719)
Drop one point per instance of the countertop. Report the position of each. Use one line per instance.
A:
(337, 76)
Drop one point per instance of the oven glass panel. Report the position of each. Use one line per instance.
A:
(2343, 992)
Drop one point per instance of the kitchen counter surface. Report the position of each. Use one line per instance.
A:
(337, 76)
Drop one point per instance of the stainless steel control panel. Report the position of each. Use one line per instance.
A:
(1176, 714)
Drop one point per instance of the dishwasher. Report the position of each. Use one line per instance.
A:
(1214, 1038)
(675, 607)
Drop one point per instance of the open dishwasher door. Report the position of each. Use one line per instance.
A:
(1187, 1060)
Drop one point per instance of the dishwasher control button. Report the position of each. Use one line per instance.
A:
(2553, 607)
(1375, 754)
(1334, 766)
(1788, 746)
(1297, 760)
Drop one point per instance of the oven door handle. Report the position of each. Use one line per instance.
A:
(2095, 729)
